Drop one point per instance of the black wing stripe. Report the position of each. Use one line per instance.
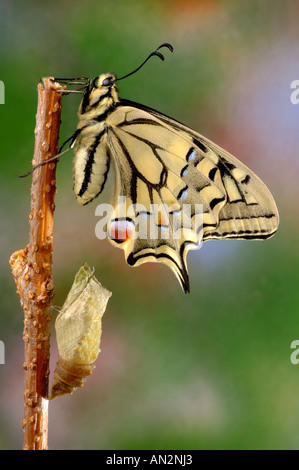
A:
(200, 145)
(212, 173)
(216, 201)
(133, 258)
(245, 234)
(139, 121)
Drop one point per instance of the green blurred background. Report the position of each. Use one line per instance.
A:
(209, 370)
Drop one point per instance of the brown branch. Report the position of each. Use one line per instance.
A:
(32, 269)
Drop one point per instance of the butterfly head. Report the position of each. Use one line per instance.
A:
(100, 92)
(105, 81)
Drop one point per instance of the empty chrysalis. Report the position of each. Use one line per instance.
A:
(78, 332)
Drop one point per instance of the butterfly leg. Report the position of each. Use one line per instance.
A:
(72, 139)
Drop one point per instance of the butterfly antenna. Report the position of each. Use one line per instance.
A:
(158, 54)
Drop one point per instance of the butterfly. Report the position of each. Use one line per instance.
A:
(161, 163)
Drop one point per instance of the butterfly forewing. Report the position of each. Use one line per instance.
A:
(250, 210)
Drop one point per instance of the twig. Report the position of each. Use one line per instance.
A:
(32, 269)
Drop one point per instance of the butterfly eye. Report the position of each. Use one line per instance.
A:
(108, 81)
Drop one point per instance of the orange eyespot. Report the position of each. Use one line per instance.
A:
(162, 220)
(121, 230)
